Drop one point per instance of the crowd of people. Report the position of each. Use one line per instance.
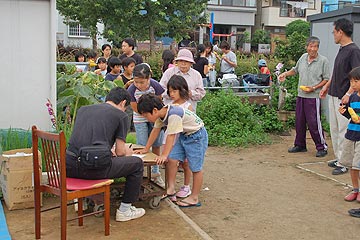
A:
(165, 120)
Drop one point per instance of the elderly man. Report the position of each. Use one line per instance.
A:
(314, 72)
(193, 78)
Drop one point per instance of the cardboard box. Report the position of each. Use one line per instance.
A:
(16, 178)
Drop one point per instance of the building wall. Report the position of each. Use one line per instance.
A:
(27, 61)
(271, 15)
(234, 17)
(81, 42)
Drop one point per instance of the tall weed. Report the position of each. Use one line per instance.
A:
(230, 121)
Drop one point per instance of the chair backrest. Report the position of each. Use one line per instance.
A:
(53, 148)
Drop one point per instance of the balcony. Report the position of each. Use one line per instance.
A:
(233, 3)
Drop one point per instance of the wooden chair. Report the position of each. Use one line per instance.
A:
(53, 153)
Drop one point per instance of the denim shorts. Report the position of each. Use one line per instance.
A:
(143, 131)
(191, 147)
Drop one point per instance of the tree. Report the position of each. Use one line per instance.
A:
(146, 19)
(299, 26)
(87, 13)
(140, 19)
(260, 36)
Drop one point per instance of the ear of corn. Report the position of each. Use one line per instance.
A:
(353, 114)
(304, 88)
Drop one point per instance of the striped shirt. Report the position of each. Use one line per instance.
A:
(135, 94)
(353, 130)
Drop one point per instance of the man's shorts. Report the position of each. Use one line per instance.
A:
(143, 131)
(350, 156)
(191, 147)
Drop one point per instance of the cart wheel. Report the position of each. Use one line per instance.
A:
(154, 202)
(99, 208)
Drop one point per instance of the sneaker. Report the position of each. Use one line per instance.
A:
(351, 196)
(159, 181)
(333, 163)
(358, 198)
(339, 170)
(321, 153)
(85, 204)
(130, 214)
(296, 149)
(184, 191)
(355, 212)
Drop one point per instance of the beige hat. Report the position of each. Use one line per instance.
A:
(185, 55)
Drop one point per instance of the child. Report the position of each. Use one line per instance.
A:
(211, 78)
(143, 83)
(80, 57)
(91, 58)
(262, 67)
(202, 63)
(128, 64)
(178, 91)
(191, 144)
(350, 155)
(115, 66)
(102, 67)
(168, 59)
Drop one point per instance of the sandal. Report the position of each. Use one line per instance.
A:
(172, 197)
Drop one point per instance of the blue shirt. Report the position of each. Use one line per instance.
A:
(353, 130)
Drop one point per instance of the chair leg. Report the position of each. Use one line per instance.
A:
(107, 210)
(37, 214)
(63, 213)
(80, 211)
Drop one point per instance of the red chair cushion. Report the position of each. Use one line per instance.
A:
(82, 184)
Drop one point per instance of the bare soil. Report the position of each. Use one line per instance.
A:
(253, 193)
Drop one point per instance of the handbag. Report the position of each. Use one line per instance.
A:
(95, 157)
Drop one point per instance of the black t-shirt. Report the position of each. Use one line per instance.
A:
(347, 58)
(98, 123)
(137, 57)
(199, 65)
(125, 79)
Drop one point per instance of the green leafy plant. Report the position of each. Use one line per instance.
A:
(260, 36)
(76, 89)
(14, 138)
(230, 121)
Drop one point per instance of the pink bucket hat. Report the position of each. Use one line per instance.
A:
(185, 55)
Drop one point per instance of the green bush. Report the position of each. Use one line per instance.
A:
(231, 121)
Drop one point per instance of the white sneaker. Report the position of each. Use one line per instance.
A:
(159, 181)
(85, 205)
(130, 214)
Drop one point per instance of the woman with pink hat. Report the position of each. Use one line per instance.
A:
(193, 78)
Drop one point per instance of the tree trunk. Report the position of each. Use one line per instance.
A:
(152, 38)
(94, 42)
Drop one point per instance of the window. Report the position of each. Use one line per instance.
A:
(76, 30)
(311, 4)
(294, 9)
(235, 3)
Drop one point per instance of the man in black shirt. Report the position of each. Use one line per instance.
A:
(108, 123)
(127, 47)
(339, 88)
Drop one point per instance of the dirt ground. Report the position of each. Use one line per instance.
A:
(252, 193)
